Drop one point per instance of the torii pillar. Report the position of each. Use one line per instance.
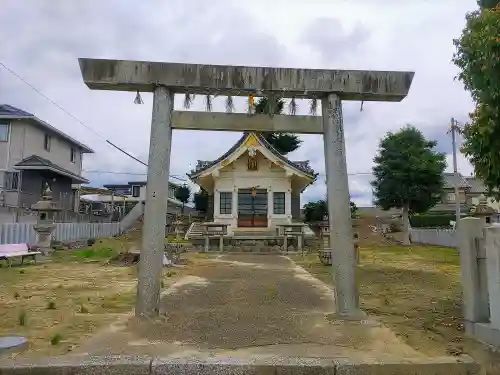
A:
(330, 86)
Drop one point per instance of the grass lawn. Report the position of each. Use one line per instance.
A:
(415, 291)
(59, 304)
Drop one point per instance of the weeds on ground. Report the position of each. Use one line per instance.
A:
(22, 318)
(56, 339)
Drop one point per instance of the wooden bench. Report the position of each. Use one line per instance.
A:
(17, 250)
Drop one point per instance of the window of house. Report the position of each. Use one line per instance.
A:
(73, 155)
(4, 131)
(12, 180)
(122, 191)
(46, 142)
(450, 197)
(226, 202)
(279, 203)
(136, 191)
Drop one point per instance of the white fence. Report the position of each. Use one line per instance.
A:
(65, 232)
(439, 237)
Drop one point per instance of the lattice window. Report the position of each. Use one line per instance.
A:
(279, 203)
(225, 202)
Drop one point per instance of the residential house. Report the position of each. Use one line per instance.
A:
(253, 186)
(471, 191)
(93, 201)
(33, 153)
(135, 191)
(448, 198)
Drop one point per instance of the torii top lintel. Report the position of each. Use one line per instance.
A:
(128, 75)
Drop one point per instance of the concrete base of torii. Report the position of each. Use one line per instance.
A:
(331, 86)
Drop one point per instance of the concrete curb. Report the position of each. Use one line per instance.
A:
(133, 365)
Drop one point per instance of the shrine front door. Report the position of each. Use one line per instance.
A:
(252, 208)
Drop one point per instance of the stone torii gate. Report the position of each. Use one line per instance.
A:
(330, 86)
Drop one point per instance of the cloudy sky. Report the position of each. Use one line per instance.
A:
(41, 40)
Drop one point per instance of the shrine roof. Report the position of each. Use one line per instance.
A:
(303, 166)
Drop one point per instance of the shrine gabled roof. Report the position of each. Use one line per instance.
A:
(302, 166)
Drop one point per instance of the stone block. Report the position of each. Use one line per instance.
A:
(114, 365)
(428, 366)
(305, 366)
(216, 366)
(235, 366)
(487, 333)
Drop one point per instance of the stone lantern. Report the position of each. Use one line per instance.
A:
(46, 210)
(178, 228)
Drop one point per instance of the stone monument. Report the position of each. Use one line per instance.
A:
(46, 209)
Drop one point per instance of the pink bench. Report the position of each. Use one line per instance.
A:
(17, 250)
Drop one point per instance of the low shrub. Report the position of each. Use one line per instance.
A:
(431, 221)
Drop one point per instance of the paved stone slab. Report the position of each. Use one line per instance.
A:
(432, 366)
(112, 365)
(127, 365)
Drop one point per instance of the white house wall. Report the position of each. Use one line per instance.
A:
(28, 139)
(237, 176)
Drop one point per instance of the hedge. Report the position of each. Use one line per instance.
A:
(431, 221)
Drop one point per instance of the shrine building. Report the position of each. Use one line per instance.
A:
(253, 186)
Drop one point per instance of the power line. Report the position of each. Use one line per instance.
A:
(179, 178)
(104, 138)
(130, 174)
(70, 114)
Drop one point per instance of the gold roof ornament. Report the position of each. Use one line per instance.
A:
(251, 141)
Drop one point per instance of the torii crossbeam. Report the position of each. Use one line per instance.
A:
(330, 86)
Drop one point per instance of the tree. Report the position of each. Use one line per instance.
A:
(318, 211)
(183, 193)
(283, 142)
(488, 3)
(478, 57)
(200, 199)
(408, 174)
(354, 210)
(315, 211)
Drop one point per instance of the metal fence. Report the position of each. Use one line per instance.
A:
(430, 236)
(11, 233)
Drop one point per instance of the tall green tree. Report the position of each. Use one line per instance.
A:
(478, 57)
(318, 210)
(200, 200)
(408, 174)
(488, 3)
(183, 193)
(283, 142)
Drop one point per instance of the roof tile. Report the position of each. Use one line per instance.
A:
(202, 165)
(8, 110)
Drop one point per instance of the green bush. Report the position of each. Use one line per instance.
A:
(431, 221)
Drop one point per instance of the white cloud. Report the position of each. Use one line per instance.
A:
(42, 40)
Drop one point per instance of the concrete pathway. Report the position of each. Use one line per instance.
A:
(252, 307)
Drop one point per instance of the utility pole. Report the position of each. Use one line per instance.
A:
(453, 129)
